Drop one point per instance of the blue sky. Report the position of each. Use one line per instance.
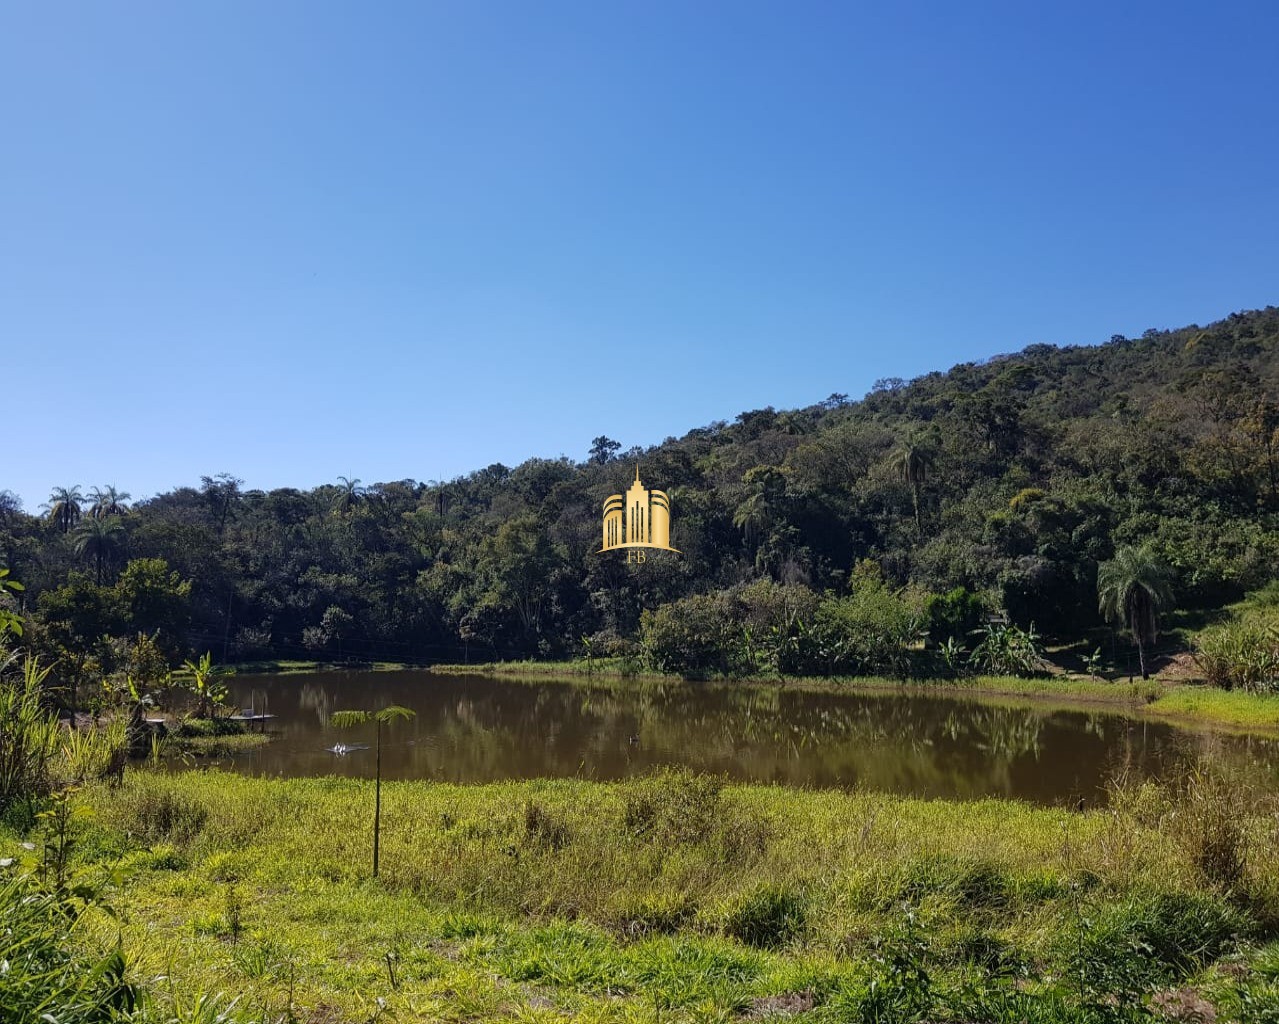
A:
(296, 240)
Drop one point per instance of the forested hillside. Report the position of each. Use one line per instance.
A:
(1012, 478)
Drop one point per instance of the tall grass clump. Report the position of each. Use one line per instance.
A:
(1241, 654)
(90, 755)
(673, 805)
(1210, 826)
(1118, 952)
(44, 977)
(157, 814)
(28, 737)
(768, 916)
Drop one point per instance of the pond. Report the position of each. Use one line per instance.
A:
(480, 729)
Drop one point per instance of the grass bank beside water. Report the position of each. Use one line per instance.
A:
(674, 898)
(1183, 703)
(293, 667)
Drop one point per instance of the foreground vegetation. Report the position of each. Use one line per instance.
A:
(676, 898)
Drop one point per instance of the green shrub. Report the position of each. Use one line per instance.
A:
(692, 636)
(768, 916)
(867, 633)
(954, 614)
(747, 629)
(201, 727)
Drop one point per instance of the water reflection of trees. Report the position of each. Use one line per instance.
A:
(475, 729)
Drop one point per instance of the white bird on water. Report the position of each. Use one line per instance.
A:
(341, 748)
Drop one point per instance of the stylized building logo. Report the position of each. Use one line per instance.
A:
(639, 519)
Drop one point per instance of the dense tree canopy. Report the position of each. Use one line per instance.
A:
(1013, 479)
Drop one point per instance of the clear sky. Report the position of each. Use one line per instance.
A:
(296, 240)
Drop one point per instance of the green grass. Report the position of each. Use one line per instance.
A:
(217, 746)
(1231, 708)
(292, 667)
(675, 898)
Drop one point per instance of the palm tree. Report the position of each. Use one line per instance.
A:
(64, 506)
(99, 539)
(349, 493)
(1131, 589)
(913, 462)
(766, 490)
(107, 501)
(751, 517)
(389, 714)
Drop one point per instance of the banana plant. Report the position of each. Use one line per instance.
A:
(208, 689)
(10, 622)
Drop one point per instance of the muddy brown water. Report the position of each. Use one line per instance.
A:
(480, 729)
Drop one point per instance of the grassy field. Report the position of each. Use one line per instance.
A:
(1181, 702)
(673, 898)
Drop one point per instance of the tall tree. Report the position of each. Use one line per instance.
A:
(99, 539)
(107, 501)
(913, 461)
(1132, 588)
(222, 492)
(602, 449)
(349, 493)
(63, 506)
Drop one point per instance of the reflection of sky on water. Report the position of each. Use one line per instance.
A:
(472, 729)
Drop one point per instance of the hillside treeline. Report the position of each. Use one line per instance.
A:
(1004, 482)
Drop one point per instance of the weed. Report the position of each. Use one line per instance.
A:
(768, 917)
(1210, 828)
(660, 913)
(162, 814)
(1008, 650)
(993, 956)
(970, 883)
(234, 913)
(49, 973)
(900, 986)
(1121, 951)
(165, 857)
(673, 805)
(544, 829)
